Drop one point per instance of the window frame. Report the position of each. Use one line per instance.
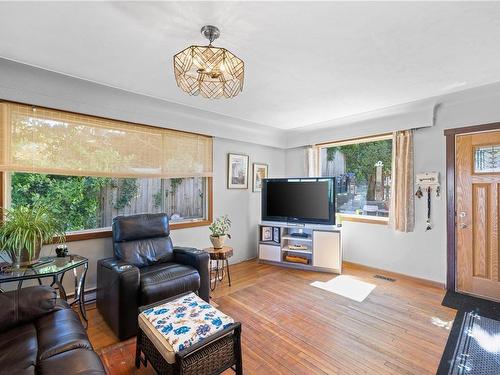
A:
(373, 138)
(106, 231)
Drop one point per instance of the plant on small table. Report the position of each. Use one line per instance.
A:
(25, 229)
(220, 231)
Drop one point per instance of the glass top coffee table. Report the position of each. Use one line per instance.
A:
(54, 268)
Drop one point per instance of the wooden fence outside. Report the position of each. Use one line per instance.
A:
(185, 199)
(334, 167)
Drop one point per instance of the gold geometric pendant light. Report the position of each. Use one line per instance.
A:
(210, 71)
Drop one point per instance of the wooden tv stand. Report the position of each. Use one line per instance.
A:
(321, 249)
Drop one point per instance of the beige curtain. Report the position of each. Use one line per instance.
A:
(57, 142)
(402, 210)
(311, 161)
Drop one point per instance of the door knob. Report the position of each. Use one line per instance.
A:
(463, 225)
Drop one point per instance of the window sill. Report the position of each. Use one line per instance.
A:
(365, 219)
(106, 232)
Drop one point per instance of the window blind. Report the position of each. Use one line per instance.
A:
(49, 141)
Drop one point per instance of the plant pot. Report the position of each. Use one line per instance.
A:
(218, 242)
(23, 257)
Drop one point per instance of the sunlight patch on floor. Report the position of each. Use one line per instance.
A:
(346, 286)
(442, 323)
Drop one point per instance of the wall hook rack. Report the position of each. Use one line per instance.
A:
(426, 180)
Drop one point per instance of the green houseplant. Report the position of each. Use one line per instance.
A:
(25, 229)
(220, 231)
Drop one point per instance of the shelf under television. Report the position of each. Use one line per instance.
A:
(284, 263)
(303, 239)
(286, 248)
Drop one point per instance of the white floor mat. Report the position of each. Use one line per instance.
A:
(346, 286)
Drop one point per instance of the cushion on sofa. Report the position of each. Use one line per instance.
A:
(59, 332)
(18, 350)
(45, 336)
(74, 362)
(25, 305)
(164, 280)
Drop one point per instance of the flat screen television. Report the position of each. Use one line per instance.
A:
(299, 200)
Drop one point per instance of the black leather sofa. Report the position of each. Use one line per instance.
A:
(40, 334)
(146, 268)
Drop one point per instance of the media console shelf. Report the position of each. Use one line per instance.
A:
(304, 246)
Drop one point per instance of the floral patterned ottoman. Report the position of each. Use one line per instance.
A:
(186, 335)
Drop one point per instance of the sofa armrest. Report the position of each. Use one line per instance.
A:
(199, 260)
(26, 304)
(117, 295)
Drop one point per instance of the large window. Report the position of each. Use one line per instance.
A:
(92, 202)
(89, 170)
(363, 171)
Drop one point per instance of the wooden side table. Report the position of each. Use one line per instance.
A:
(219, 256)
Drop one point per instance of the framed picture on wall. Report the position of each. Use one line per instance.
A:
(237, 173)
(260, 171)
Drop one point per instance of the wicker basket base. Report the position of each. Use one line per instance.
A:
(209, 357)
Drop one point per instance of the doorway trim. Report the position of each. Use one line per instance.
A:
(451, 135)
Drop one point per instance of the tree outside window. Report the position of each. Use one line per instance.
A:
(363, 172)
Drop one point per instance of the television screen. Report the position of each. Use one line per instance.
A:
(306, 200)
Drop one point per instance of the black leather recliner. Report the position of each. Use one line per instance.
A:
(146, 268)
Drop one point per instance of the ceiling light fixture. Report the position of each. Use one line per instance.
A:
(210, 71)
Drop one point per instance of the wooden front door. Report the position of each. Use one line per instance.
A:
(477, 214)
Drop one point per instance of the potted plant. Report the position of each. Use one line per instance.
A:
(220, 231)
(25, 229)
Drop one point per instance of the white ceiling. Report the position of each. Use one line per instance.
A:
(305, 62)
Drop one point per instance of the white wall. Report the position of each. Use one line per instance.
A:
(296, 160)
(420, 254)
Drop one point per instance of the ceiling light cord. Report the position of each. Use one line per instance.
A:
(210, 32)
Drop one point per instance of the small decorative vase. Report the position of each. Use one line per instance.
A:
(218, 242)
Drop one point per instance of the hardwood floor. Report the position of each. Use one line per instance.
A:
(290, 327)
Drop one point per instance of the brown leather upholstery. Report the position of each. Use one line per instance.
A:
(43, 336)
(18, 349)
(117, 295)
(165, 280)
(25, 305)
(146, 269)
(142, 240)
(74, 362)
(59, 332)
